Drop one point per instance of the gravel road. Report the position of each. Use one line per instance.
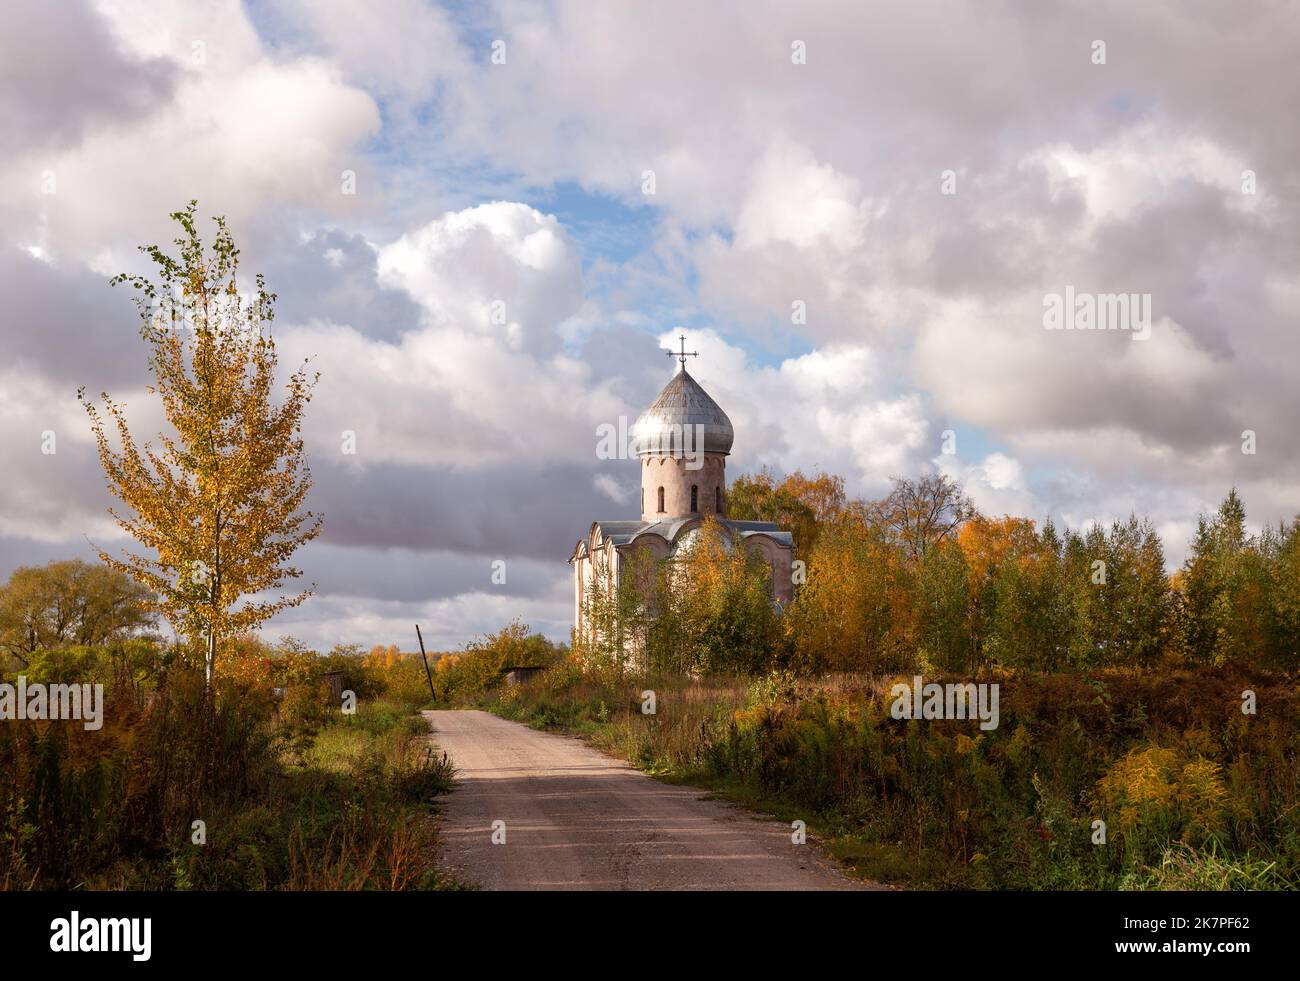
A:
(577, 819)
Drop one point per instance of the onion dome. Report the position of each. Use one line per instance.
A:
(679, 408)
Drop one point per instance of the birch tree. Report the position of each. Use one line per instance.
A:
(216, 501)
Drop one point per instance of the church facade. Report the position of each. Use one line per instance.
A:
(681, 443)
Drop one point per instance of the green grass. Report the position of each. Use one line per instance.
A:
(354, 810)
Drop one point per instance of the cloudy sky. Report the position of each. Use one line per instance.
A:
(854, 211)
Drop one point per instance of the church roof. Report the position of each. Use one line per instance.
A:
(682, 404)
(623, 532)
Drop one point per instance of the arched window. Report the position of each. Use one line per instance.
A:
(661, 500)
(717, 500)
(695, 498)
(643, 500)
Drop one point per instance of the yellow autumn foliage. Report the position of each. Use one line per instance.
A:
(214, 504)
(1155, 787)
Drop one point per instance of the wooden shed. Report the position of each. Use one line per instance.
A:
(335, 680)
(518, 675)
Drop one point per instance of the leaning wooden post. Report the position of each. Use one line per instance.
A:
(425, 659)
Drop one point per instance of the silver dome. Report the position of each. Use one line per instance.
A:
(681, 405)
(690, 541)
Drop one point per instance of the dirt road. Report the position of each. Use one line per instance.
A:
(577, 819)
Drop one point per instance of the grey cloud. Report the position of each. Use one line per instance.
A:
(331, 277)
(61, 73)
(16, 551)
(67, 324)
(535, 512)
(408, 575)
(624, 353)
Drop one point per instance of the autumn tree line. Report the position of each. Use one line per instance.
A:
(1157, 705)
(921, 580)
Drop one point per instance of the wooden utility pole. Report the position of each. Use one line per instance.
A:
(425, 658)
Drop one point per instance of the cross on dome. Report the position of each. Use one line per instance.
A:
(683, 354)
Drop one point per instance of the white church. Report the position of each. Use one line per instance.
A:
(681, 442)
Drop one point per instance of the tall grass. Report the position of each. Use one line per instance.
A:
(290, 796)
(1191, 790)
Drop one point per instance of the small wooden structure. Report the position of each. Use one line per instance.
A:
(519, 674)
(335, 680)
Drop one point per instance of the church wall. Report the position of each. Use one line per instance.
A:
(579, 576)
(671, 473)
(780, 561)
